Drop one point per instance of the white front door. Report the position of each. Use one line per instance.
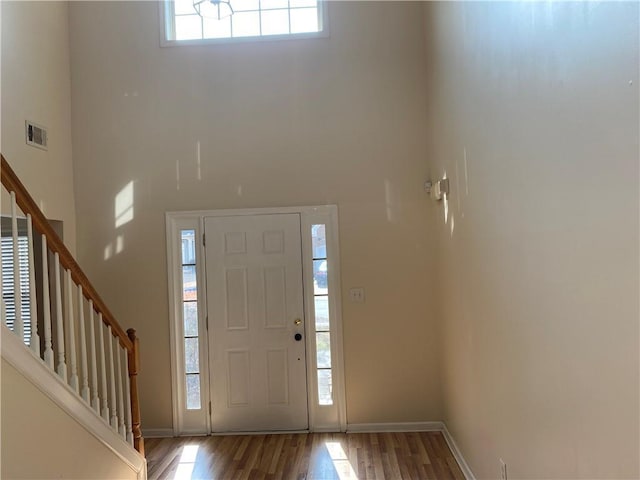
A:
(256, 323)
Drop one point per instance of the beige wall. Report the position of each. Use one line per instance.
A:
(36, 86)
(532, 113)
(534, 117)
(32, 446)
(0, 76)
(333, 120)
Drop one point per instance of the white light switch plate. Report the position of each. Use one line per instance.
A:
(356, 295)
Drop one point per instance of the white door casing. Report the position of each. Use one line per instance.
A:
(256, 309)
(190, 420)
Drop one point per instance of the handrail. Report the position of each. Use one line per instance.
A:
(127, 340)
(28, 205)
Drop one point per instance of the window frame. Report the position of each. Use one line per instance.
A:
(321, 417)
(167, 25)
(186, 421)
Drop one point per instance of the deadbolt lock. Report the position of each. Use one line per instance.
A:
(297, 321)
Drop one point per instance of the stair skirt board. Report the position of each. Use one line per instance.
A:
(36, 372)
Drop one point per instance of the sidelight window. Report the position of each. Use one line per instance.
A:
(190, 320)
(322, 318)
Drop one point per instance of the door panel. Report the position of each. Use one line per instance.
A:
(254, 297)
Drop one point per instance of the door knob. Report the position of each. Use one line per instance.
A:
(298, 337)
(297, 321)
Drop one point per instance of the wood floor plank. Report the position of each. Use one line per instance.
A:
(376, 453)
(314, 456)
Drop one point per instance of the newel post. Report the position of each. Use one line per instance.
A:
(134, 364)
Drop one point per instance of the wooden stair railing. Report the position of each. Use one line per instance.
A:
(125, 420)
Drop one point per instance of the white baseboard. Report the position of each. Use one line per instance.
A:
(466, 471)
(35, 371)
(168, 432)
(395, 427)
(417, 427)
(260, 432)
(325, 430)
(157, 432)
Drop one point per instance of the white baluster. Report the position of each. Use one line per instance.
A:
(121, 427)
(84, 374)
(71, 332)
(18, 326)
(34, 341)
(46, 305)
(103, 369)
(112, 382)
(61, 367)
(95, 400)
(127, 399)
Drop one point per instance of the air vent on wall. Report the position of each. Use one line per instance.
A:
(36, 135)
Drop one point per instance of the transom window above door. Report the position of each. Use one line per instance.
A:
(211, 21)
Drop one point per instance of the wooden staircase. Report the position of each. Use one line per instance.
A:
(52, 308)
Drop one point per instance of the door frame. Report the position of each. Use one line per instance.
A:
(321, 417)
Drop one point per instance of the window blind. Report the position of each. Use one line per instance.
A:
(8, 291)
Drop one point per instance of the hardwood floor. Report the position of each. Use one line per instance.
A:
(321, 456)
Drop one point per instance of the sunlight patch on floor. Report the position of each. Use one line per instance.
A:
(340, 461)
(187, 462)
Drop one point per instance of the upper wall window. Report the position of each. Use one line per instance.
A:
(210, 21)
